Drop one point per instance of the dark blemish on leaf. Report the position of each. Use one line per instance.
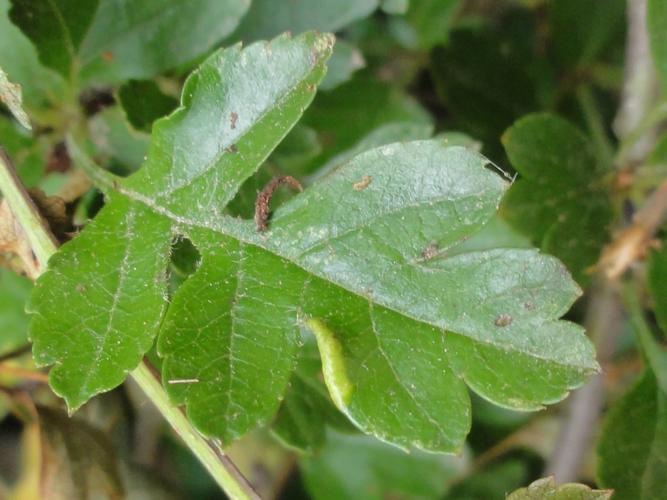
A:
(529, 305)
(311, 87)
(430, 251)
(503, 320)
(107, 56)
(80, 288)
(363, 183)
(232, 148)
(264, 197)
(232, 119)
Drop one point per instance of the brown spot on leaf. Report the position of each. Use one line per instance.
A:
(363, 183)
(232, 148)
(107, 56)
(430, 251)
(232, 119)
(503, 320)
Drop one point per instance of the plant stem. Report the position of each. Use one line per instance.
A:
(221, 468)
(42, 243)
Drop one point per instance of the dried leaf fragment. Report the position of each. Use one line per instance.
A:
(10, 94)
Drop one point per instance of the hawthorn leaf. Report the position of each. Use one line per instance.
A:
(362, 255)
(657, 27)
(632, 452)
(119, 260)
(248, 324)
(364, 105)
(108, 41)
(585, 29)
(478, 108)
(236, 108)
(500, 316)
(57, 28)
(431, 20)
(558, 199)
(345, 60)
(141, 39)
(354, 466)
(98, 308)
(267, 18)
(546, 489)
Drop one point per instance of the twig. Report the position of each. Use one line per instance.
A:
(219, 466)
(24, 349)
(640, 88)
(633, 242)
(41, 241)
(633, 125)
(17, 371)
(604, 324)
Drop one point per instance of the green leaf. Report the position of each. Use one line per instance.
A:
(584, 30)
(657, 26)
(546, 489)
(431, 20)
(117, 145)
(487, 92)
(267, 18)
(114, 301)
(113, 260)
(406, 323)
(144, 102)
(364, 468)
(657, 278)
(307, 409)
(14, 292)
(363, 105)
(559, 199)
(110, 41)
(10, 95)
(395, 6)
(57, 28)
(345, 60)
(141, 39)
(632, 456)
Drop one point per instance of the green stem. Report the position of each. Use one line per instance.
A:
(604, 150)
(219, 466)
(44, 246)
(41, 241)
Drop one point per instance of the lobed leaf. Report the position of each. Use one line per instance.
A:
(108, 41)
(558, 199)
(98, 308)
(361, 257)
